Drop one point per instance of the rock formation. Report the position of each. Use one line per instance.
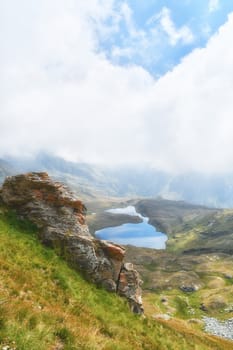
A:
(60, 218)
(128, 288)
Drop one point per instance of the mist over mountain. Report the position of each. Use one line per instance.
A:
(90, 180)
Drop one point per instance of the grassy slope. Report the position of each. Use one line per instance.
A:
(213, 233)
(46, 305)
(206, 238)
(165, 215)
(164, 273)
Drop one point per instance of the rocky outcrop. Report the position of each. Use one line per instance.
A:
(60, 218)
(128, 286)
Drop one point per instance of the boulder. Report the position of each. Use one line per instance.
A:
(60, 218)
(203, 307)
(189, 288)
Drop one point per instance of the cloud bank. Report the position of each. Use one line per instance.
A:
(60, 93)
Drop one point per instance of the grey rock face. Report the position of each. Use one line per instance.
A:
(46, 203)
(60, 218)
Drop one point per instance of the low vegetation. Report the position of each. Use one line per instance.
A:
(212, 233)
(46, 305)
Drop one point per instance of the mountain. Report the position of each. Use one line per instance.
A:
(86, 180)
(214, 190)
(95, 181)
(46, 305)
(166, 215)
(184, 285)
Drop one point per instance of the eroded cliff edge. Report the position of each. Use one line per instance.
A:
(60, 218)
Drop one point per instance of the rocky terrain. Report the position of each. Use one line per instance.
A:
(192, 278)
(221, 329)
(46, 305)
(183, 283)
(189, 280)
(60, 218)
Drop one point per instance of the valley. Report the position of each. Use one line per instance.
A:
(51, 307)
(193, 277)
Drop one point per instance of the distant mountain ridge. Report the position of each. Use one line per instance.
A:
(93, 181)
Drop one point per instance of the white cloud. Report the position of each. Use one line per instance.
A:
(59, 93)
(213, 5)
(191, 107)
(127, 16)
(175, 35)
(135, 42)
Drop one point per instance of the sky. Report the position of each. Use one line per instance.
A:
(119, 82)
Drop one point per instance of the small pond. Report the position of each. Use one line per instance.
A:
(140, 235)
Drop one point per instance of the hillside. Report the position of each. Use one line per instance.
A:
(46, 305)
(192, 278)
(210, 233)
(167, 215)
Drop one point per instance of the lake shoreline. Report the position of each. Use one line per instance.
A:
(139, 235)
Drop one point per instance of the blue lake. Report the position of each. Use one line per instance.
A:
(139, 235)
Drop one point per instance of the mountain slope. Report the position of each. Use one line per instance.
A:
(168, 214)
(138, 180)
(46, 305)
(211, 233)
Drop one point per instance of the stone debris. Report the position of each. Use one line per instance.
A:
(61, 220)
(203, 307)
(189, 288)
(222, 329)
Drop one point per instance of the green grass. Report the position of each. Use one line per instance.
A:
(213, 233)
(45, 305)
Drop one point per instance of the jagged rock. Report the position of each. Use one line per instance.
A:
(129, 286)
(60, 218)
(45, 203)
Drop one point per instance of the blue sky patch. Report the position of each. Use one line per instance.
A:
(157, 34)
